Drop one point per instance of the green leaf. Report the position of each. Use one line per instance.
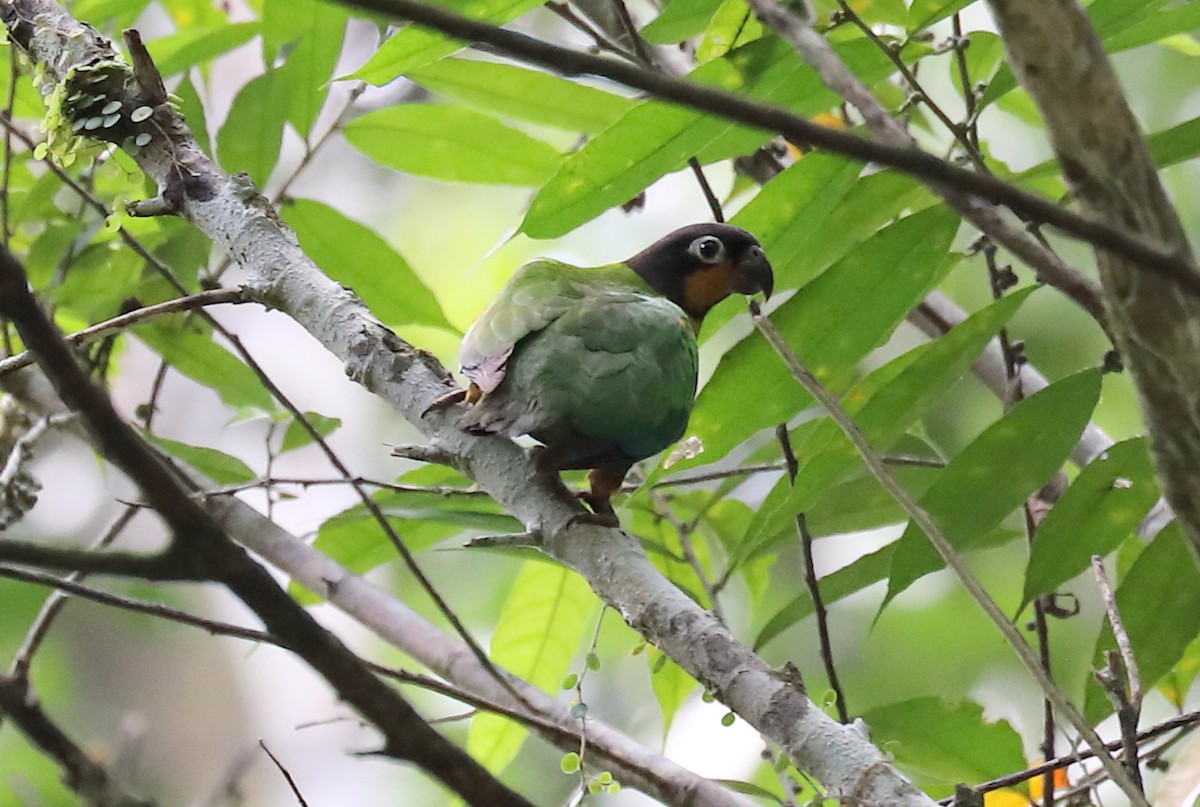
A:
(98, 12)
(860, 503)
(672, 686)
(1103, 506)
(817, 209)
(832, 323)
(310, 65)
(733, 25)
(996, 472)
(356, 540)
(253, 131)
(924, 13)
(177, 52)
(414, 46)
(536, 638)
(453, 144)
(1159, 603)
(376, 272)
(296, 435)
(1159, 25)
(946, 742)
(654, 138)
(850, 579)
(190, 350)
(216, 465)
(1177, 144)
(524, 94)
(680, 20)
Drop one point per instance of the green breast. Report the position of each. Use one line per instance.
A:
(618, 367)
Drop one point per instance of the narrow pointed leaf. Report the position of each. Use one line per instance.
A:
(218, 466)
(518, 92)
(996, 472)
(253, 132)
(192, 352)
(376, 272)
(452, 143)
(537, 636)
(312, 60)
(1103, 506)
(414, 46)
(680, 20)
(177, 52)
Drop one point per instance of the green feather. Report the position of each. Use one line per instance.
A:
(592, 352)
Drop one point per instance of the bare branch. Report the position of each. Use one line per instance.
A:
(1062, 64)
(119, 324)
(927, 167)
(80, 772)
(948, 553)
(817, 52)
(199, 538)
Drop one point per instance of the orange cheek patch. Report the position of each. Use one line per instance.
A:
(706, 287)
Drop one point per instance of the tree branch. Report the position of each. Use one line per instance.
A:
(927, 167)
(1060, 61)
(817, 53)
(947, 552)
(239, 220)
(116, 325)
(80, 772)
(199, 539)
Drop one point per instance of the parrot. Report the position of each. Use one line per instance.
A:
(599, 364)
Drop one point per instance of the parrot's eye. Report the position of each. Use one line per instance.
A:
(708, 248)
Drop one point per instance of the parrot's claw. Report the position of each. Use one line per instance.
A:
(602, 510)
(608, 519)
(449, 399)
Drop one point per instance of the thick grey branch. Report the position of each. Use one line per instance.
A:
(239, 220)
(1061, 62)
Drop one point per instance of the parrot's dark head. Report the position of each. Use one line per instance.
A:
(700, 265)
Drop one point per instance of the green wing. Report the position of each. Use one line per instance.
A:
(539, 293)
(590, 360)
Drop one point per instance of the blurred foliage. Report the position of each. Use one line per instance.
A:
(538, 156)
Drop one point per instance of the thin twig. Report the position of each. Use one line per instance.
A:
(57, 600)
(893, 55)
(100, 330)
(1119, 678)
(662, 508)
(811, 580)
(822, 616)
(714, 204)
(286, 775)
(1188, 721)
(1118, 628)
(946, 550)
(445, 491)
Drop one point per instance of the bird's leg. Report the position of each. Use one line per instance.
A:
(604, 482)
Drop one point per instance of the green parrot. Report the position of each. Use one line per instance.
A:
(599, 364)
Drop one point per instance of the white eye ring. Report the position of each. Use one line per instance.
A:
(708, 248)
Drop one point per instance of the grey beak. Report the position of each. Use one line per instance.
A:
(754, 273)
